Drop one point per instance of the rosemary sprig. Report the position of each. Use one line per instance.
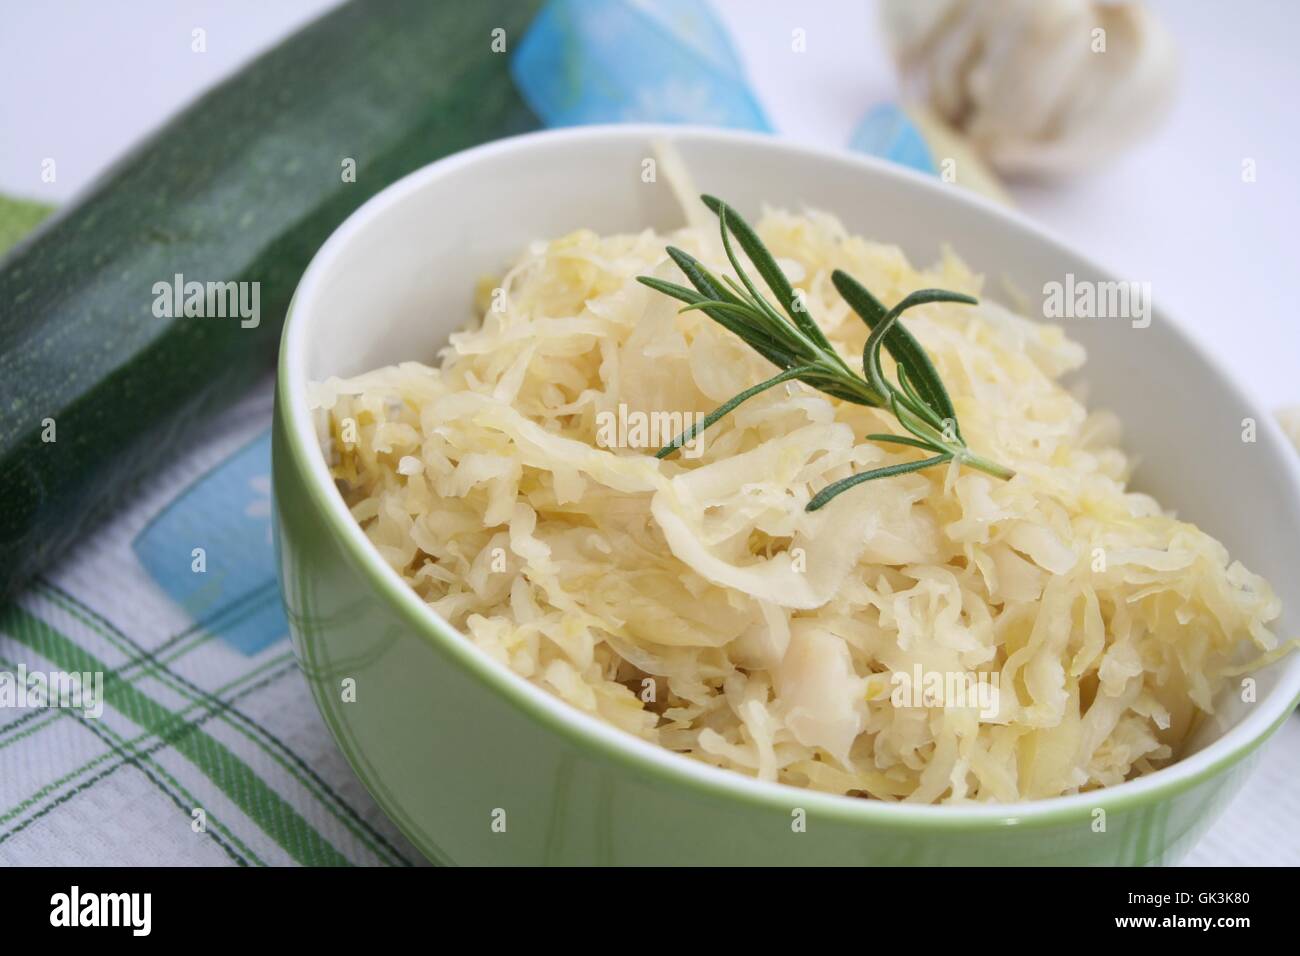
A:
(792, 341)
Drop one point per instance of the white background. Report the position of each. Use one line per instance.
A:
(84, 79)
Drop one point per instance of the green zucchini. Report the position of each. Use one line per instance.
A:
(243, 186)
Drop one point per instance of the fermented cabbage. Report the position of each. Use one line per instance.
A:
(694, 602)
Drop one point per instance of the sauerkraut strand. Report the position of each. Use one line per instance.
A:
(795, 343)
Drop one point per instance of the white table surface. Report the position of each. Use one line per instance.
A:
(85, 79)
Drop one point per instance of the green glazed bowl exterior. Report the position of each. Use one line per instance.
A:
(448, 751)
(476, 766)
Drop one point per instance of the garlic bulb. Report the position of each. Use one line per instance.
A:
(1289, 419)
(1037, 86)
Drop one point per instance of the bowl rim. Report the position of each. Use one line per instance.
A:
(587, 732)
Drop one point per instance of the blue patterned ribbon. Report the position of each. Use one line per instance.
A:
(619, 61)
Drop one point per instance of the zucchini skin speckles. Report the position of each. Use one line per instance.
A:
(243, 186)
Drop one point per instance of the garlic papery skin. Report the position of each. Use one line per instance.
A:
(1039, 87)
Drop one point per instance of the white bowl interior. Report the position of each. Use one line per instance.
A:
(399, 277)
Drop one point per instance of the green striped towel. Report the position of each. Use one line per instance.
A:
(207, 751)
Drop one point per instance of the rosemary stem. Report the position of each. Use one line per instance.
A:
(968, 457)
(795, 343)
(958, 450)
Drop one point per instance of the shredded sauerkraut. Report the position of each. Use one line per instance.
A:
(695, 603)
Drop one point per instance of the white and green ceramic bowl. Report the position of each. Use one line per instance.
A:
(453, 745)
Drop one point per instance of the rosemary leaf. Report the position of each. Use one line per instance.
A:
(844, 484)
(924, 296)
(767, 268)
(728, 406)
(915, 423)
(871, 354)
(754, 248)
(902, 440)
(776, 352)
(680, 292)
(700, 277)
(918, 404)
(920, 363)
(907, 352)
